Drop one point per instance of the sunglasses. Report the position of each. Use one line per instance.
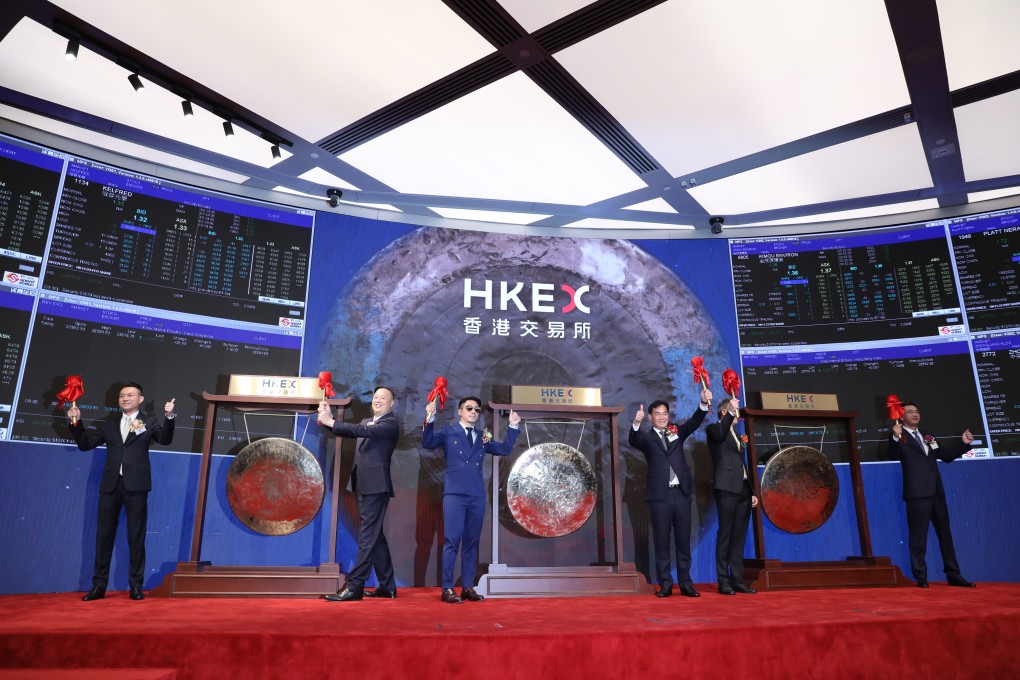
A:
(477, 409)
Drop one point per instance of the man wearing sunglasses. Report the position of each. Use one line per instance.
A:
(464, 447)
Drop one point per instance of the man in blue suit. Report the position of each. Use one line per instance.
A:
(464, 490)
(370, 480)
(669, 488)
(126, 481)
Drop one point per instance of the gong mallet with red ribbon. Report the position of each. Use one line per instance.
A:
(700, 374)
(72, 392)
(895, 406)
(731, 383)
(326, 385)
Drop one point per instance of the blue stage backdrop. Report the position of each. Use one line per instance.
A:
(399, 305)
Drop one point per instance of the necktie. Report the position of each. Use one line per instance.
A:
(125, 427)
(470, 435)
(920, 442)
(673, 479)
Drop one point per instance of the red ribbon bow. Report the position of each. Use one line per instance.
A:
(326, 384)
(73, 390)
(892, 402)
(731, 382)
(439, 391)
(700, 374)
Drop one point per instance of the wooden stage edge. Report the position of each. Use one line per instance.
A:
(203, 579)
(854, 572)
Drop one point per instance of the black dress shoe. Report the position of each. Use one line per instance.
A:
(450, 597)
(921, 583)
(741, 588)
(961, 582)
(137, 594)
(470, 595)
(689, 591)
(345, 595)
(383, 593)
(665, 590)
(94, 594)
(726, 589)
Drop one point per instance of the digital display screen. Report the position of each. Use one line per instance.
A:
(120, 277)
(867, 287)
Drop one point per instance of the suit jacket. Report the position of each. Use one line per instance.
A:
(661, 457)
(728, 455)
(132, 453)
(921, 477)
(464, 461)
(373, 452)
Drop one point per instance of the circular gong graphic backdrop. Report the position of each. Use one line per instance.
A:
(275, 486)
(799, 489)
(489, 310)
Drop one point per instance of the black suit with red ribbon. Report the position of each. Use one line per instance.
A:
(669, 506)
(926, 498)
(126, 482)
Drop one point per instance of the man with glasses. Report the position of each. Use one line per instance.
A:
(918, 453)
(464, 447)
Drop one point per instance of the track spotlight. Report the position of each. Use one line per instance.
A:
(189, 111)
(136, 82)
(72, 50)
(275, 150)
(228, 129)
(334, 197)
(716, 223)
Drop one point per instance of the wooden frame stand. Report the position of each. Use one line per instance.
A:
(856, 571)
(198, 578)
(612, 578)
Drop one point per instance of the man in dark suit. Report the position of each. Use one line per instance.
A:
(918, 453)
(464, 447)
(669, 488)
(734, 498)
(370, 479)
(126, 481)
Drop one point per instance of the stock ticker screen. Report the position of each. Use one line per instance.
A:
(121, 277)
(906, 311)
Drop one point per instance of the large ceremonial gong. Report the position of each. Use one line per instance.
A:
(275, 486)
(551, 490)
(799, 489)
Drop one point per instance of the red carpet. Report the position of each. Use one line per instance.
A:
(941, 632)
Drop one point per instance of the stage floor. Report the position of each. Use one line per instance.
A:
(939, 632)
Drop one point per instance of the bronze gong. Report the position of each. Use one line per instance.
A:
(275, 486)
(551, 490)
(799, 489)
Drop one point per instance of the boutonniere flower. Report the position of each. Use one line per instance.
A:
(743, 438)
(136, 426)
(671, 431)
(930, 441)
(486, 436)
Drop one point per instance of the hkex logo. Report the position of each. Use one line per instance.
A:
(542, 297)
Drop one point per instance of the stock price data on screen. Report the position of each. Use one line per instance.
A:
(126, 238)
(853, 288)
(118, 277)
(987, 251)
(998, 364)
(934, 375)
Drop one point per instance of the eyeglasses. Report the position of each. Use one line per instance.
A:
(477, 409)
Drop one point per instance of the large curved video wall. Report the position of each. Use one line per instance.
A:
(121, 277)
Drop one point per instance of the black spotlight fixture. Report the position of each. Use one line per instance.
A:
(72, 49)
(716, 223)
(275, 150)
(228, 129)
(136, 82)
(334, 197)
(189, 110)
